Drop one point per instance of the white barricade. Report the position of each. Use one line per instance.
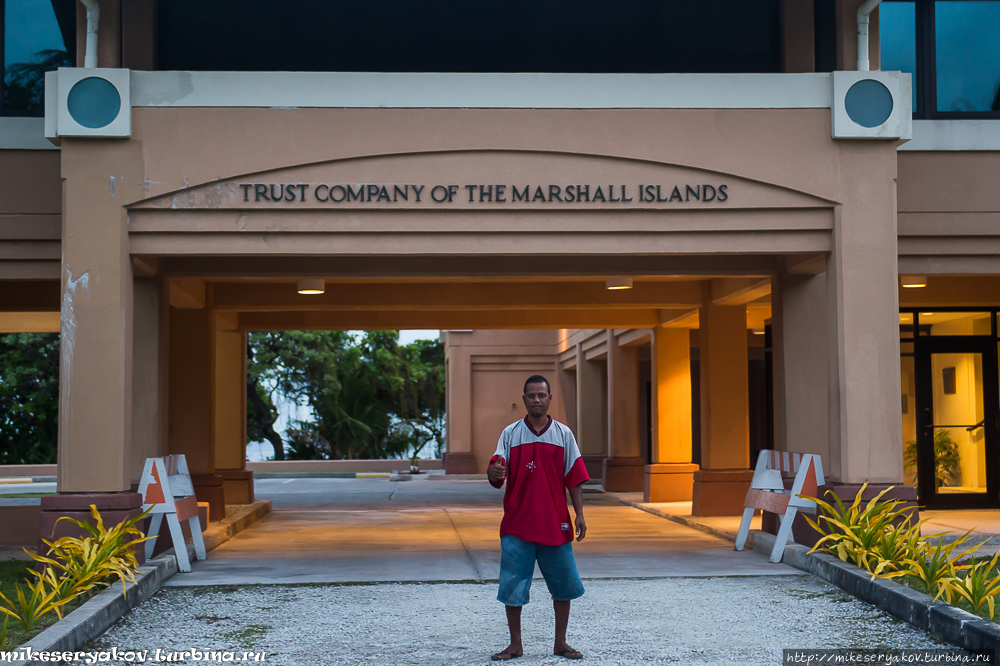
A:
(767, 492)
(166, 488)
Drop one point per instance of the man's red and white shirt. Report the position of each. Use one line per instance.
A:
(539, 467)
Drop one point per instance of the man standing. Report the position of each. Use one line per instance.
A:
(539, 459)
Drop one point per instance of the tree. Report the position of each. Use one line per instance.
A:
(369, 396)
(24, 82)
(29, 398)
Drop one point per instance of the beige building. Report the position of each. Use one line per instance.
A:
(760, 204)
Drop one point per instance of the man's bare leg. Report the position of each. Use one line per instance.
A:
(562, 621)
(514, 624)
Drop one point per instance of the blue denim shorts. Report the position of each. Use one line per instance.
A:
(517, 566)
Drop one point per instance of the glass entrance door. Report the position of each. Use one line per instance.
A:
(957, 449)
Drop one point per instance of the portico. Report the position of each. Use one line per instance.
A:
(193, 230)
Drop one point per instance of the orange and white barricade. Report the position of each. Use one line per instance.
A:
(166, 488)
(767, 492)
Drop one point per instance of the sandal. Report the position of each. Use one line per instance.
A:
(569, 653)
(499, 656)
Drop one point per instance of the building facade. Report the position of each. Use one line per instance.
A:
(754, 184)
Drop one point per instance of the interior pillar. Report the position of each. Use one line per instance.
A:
(460, 458)
(623, 469)
(720, 485)
(147, 374)
(230, 410)
(566, 381)
(670, 477)
(800, 365)
(191, 427)
(590, 413)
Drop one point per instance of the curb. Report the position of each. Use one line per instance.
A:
(321, 475)
(304, 475)
(224, 530)
(683, 520)
(956, 626)
(9, 480)
(98, 614)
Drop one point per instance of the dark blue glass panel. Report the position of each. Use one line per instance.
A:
(967, 42)
(33, 45)
(898, 40)
(868, 103)
(93, 102)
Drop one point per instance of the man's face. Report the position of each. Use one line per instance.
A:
(537, 399)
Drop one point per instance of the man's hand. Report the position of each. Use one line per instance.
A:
(581, 527)
(495, 473)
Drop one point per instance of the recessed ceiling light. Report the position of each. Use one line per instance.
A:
(913, 281)
(311, 286)
(757, 331)
(619, 283)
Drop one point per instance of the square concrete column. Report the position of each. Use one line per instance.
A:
(720, 485)
(800, 365)
(591, 431)
(95, 373)
(148, 375)
(96, 336)
(459, 458)
(565, 379)
(229, 415)
(623, 469)
(671, 475)
(191, 417)
(866, 430)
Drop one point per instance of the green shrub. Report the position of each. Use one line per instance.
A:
(878, 538)
(873, 537)
(75, 567)
(977, 587)
(29, 609)
(91, 561)
(936, 568)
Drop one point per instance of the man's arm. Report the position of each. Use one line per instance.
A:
(576, 495)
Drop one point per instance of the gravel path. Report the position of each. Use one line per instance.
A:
(742, 620)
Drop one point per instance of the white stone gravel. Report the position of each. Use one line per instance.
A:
(726, 620)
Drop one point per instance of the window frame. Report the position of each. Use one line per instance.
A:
(926, 59)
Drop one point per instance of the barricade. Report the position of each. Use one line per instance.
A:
(767, 492)
(166, 488)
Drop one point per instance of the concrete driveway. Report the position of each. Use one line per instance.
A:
(377, 530)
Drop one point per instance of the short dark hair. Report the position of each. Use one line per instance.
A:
(537, 379)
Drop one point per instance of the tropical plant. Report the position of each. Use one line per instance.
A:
(901, 542)
(977, 587)
(89, 562)
(856, 533)
(936, 568)
(29, 609)
(946, 458)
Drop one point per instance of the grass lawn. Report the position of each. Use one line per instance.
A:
(11, 573)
